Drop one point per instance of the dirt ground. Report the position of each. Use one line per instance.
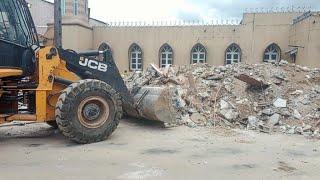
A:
(146, 151)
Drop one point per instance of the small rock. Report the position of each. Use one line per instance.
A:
(297, 92)
(317, 89)
(283, 129)
(229, 114)
(204, 95)
(252, 121)
(197, 118)
(281, 76)
(268, 112)
(192, 110)
(305, 69)
(299, 130)
(187, 121)
(280, 103)
(307, 134)
(283, 62)
(292, 130)
(274, 120)
(297, 115)
(285, 113)
(215, 77)
(223, 68)
(307, 128)
(224, 104)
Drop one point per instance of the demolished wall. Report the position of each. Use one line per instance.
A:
(287, 98)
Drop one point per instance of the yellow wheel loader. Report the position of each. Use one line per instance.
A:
(79, 93)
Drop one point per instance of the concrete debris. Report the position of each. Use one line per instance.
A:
(280, 103)
(252, 81)
(229, 114)
(297, 115)
(273, 97)
(274, 120)
(252, 122)
(268, 111)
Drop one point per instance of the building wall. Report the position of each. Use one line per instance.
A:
(42, 13)
(253, 35)
(306, 35)
(77, 37)
(256, 32)
(82, 16)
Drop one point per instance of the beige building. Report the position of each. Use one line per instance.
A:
(259, 37)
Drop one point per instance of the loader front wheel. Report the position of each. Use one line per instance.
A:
(88, 111)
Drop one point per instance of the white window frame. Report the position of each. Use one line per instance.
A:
(135, 52)
(86, 7)
(166, 51)
(75, 7)
(232, 51)
(63, 7)
(198, 51)
(271, 51)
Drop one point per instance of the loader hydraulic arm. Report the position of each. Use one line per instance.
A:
(87, 67)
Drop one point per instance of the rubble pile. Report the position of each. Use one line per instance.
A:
(266, 97)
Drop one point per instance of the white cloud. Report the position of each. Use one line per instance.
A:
(163, 10)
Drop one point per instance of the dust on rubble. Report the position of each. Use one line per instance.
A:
(279, 97)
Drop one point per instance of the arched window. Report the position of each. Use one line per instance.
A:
(272, 53)
(135, 57)
(75, 7)
(233, 54)
(166, 56)
(104, 47)
(198, 54)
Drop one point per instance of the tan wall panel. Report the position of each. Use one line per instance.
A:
(77, 37)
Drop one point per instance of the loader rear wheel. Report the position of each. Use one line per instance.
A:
(88, 111)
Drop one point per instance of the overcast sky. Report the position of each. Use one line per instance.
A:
(168, 10)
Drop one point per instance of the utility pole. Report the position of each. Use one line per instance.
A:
(57, 24)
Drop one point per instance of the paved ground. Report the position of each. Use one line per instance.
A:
(146, 151)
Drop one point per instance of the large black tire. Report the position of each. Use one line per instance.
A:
(88, 111)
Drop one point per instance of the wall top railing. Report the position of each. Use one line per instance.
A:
(288, 9)
(214, 22)
(233, 21)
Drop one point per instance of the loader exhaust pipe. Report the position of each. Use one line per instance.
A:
(57, 24)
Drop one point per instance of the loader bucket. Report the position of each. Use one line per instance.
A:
(154, 103)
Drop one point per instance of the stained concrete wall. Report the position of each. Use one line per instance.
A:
(42, 13)
(306, 35)
(77, 37)
(256, 32)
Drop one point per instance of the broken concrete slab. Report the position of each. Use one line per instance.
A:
(297, 115)
(280, 103)
(252, 121)
(268, 112)
(197, 118)
(274, 120)
(224, 105)
(252, 81)
(229, 114)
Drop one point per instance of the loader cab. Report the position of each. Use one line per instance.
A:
(18, 37)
